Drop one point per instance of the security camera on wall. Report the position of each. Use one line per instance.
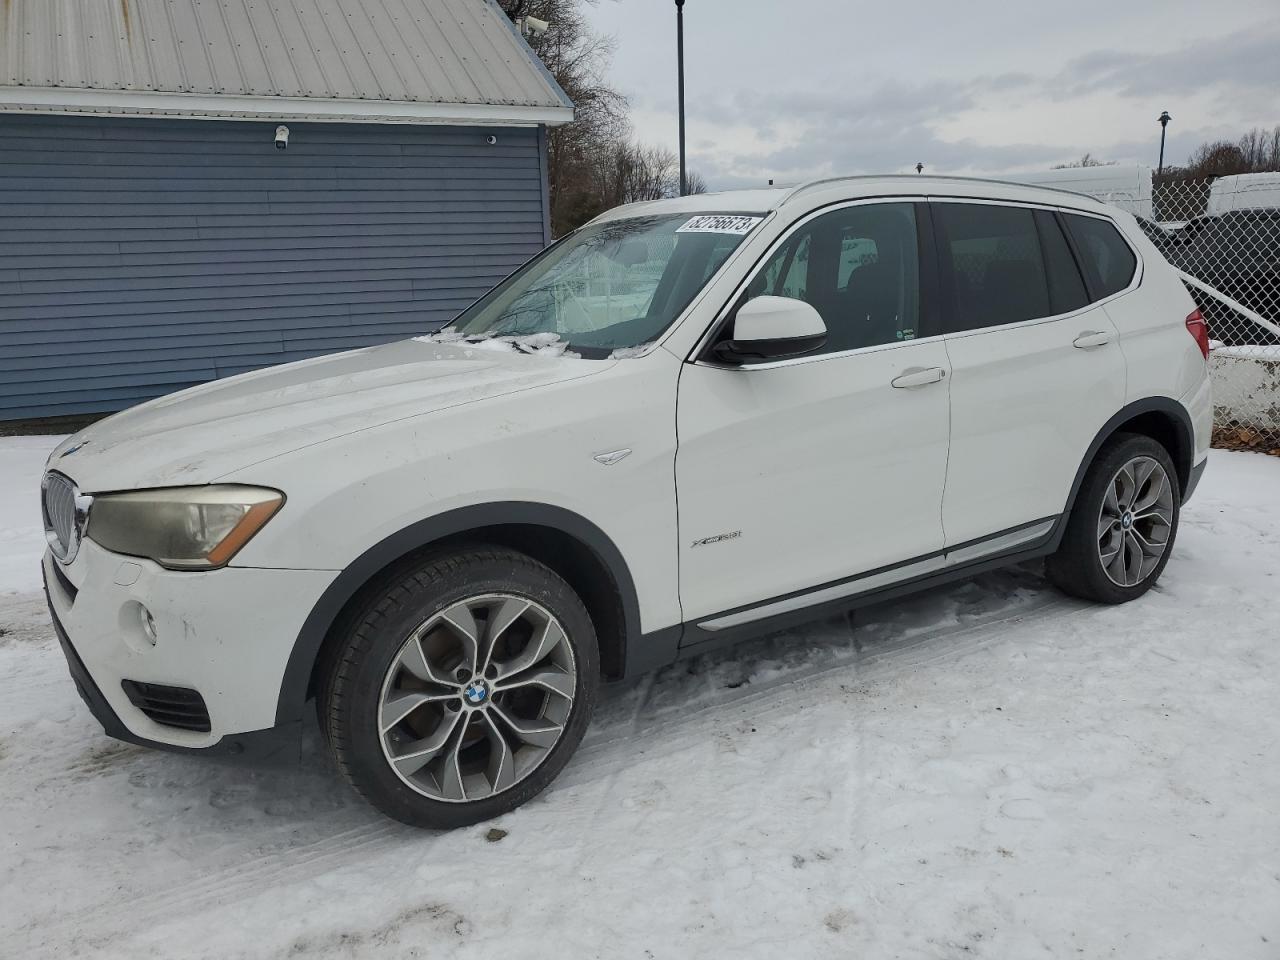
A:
(533, 27)
(282, 137)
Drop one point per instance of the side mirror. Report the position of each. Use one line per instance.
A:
(769, 328)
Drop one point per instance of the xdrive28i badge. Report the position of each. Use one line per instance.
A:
(718, 538)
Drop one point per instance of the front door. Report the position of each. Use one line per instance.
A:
(799, 474)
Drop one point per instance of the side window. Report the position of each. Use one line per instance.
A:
(1066, 286)
(1108, 260)
(996, 264)
(858, 267)
(855, 252)
(786, 272)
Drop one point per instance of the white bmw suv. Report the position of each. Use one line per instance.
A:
(687, 422)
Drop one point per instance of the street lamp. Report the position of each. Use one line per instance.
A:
(1163, 119)
(684, 177)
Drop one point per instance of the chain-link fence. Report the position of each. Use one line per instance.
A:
(1227, 242)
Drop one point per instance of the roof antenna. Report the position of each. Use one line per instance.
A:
(919, 168)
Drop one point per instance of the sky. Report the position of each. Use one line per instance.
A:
(808, 88)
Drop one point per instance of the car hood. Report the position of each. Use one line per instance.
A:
(202, 434)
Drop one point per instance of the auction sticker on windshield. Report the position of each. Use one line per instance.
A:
(719, 223)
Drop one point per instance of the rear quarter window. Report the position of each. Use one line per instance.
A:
(1108, 261)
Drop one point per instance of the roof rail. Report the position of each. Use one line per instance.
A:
(914, 177)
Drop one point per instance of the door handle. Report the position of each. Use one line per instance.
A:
(918, 377)
(1091, 339)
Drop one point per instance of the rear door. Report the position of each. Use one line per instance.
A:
(1036, 371)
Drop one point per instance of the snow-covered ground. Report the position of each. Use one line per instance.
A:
(988, 771)
(21, 539)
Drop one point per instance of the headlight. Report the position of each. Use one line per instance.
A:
(182, 528)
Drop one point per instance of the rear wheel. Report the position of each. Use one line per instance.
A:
(464, 688)
(1122, 527)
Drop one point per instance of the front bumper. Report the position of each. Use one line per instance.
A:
(273, 744)
(225, 633)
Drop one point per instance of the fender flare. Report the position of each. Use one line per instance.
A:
(291, 704)
(1165, 405)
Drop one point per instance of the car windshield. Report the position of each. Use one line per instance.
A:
(608, 287)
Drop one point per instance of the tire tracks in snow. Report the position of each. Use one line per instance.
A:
(608, 750)
(592, 761)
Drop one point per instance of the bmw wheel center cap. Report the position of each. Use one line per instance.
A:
(476, 692)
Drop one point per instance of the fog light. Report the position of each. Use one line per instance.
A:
(138, 628)
(148, 623)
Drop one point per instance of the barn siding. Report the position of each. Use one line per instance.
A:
(138, 257)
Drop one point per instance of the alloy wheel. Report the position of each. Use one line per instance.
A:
(1135, 521)
(477, 697)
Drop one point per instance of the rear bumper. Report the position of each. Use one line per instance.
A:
(282, 743)
(1199, 406)
(1197, 471)
(1198, 403)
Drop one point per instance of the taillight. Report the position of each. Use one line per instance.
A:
(1199, 330)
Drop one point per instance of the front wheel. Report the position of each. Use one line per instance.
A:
(463, 688)
(1122, 527)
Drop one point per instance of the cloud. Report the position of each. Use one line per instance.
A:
(1002, 117)
(1242, 63)
(890, 127)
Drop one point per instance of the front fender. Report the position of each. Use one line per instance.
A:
(294, 687)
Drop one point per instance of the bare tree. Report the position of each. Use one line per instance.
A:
(1217, 159)
(1258, 151)
(593, 163)
(636, 172)
(578, 59)
(695, 182)
(1088, 160)
(645, 173)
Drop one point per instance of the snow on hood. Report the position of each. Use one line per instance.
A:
(535, 344)
(200, 435)
(630, 353)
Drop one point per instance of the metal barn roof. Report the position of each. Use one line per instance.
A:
(446, 61)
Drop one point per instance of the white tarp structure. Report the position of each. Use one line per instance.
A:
(1244, 191)
(1128, 188)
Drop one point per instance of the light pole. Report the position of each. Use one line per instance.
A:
(684, 178)
(1163, 119)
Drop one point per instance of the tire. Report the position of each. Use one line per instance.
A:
(1087, 564)
(410, 648)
